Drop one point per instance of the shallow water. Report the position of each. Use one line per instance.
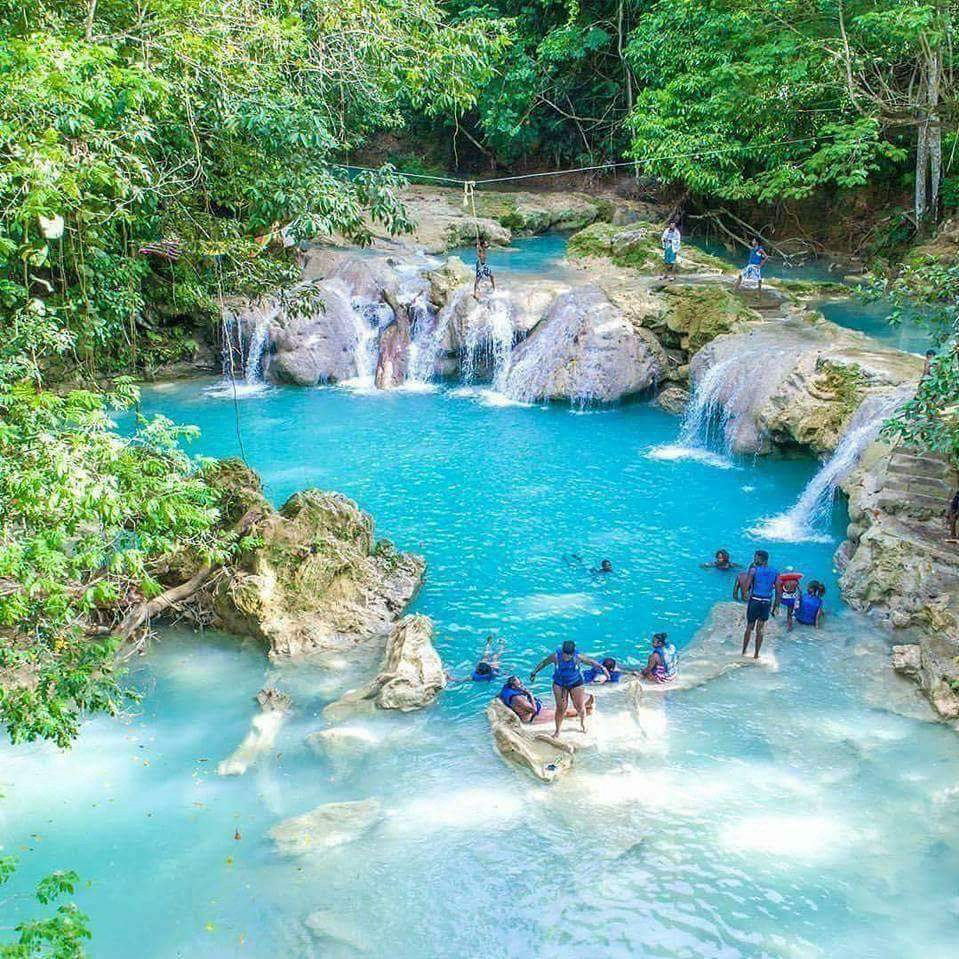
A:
(527, 256)
(774, 812)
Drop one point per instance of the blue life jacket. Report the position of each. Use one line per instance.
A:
(809, 607)
(484, 677)
(764, 582)
(591, 674)
(566, 671)
(507, 694)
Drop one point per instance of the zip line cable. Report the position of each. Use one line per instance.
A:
(612, 164)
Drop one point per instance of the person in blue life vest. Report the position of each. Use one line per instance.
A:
(568, 681)
(487, 669)
(661, 665)
(754, 266)
(609, 672)
(810, 611)
(764, 589)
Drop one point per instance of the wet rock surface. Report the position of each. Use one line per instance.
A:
(327, 826)
(319, 580)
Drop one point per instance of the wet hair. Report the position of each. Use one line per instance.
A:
(609, 663)
(722, 552)
(659, 637)
(569, 647)
(762, 555)
(511, 679)
(605, 564)
(484, 668)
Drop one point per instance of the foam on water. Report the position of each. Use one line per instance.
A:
(678, 453)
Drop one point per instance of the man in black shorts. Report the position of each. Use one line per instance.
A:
(764, 590)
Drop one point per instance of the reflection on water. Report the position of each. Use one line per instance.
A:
(782, 812)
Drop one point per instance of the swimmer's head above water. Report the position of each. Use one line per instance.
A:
(484, 668)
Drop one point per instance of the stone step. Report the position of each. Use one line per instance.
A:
(934, 484)
(907, 500)
(919, 468)
(909, 455)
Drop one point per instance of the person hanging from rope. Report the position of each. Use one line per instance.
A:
(483, 272)
(754, 267)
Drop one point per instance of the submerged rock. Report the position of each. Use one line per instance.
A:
(673, 399)
(318, 580)
(530, 747)
(327, 826)
(584, 350)
(327, 925)
(274, 709)
(411, 674)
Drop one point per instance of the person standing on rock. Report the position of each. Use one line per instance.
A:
(764, 589)
(672, 240)
(568, 681)
(754, 266)
(483, 272)
(952, 518)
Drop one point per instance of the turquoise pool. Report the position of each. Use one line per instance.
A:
(795, 811)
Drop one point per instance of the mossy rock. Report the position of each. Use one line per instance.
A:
(636, 247)
(811, 289)
(696, 315)
(843, 385)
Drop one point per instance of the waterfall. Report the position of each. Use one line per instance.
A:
(809, 515)
(253, 365)
(246, 332)
(487, 347)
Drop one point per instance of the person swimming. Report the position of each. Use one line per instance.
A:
(722, 561)
(612, 674)
(661, 667)
(568, 681)
(810, 611)
(487, 669)
(604, 567)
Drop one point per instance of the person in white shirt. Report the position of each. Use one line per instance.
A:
(672, 240)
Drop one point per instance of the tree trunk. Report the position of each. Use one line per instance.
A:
(934, 137)
(922, 168)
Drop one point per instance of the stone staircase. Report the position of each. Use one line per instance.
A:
(918, 485)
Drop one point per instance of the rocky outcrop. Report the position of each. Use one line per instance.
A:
(274, 708)
(673, 399)
(410, 677)
(896, 565)
(333, 824)
(795, 380)
(317, 580)
(695, 314)
(318, 344)
(584, 350)
(442, 222)
(529, 747)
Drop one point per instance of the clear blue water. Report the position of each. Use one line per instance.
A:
(873, 320)
(775, 812)
(813, 269)
(525, 256)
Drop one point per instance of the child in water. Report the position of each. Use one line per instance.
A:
(487, 669)
(790, 596)
(721, 562)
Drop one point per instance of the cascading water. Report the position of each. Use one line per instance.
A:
(253, 366)
(489, 341)
(807, 518)
(246, 333)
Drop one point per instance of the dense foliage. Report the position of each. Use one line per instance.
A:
(58, 936)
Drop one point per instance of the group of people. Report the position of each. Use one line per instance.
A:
(573, 672)
(672, 241)
(764, 590)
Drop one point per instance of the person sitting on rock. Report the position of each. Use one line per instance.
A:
(721, 562)
(810, 611)
(487, 669)
(530, 708)
(483, 272)
(661, 666)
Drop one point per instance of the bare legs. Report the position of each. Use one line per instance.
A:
(561, 695)
(759, 624)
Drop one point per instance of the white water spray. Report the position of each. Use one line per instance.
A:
(807, 519)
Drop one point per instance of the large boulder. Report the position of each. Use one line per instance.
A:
(318, 580)
(695, 315)
(794, 381)
(319, 344)
(327, 826)
(584, 350)
(531, 748)
(411, 674)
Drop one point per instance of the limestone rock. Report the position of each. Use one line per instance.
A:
(275, 707)
(327, 826)
(453, 274)
(319, 345)
(529, 747)
(898, 568)
(318, 581)
(673, 399)
(696, 315)
(584, 350)
(411, 674)
(329, 926)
